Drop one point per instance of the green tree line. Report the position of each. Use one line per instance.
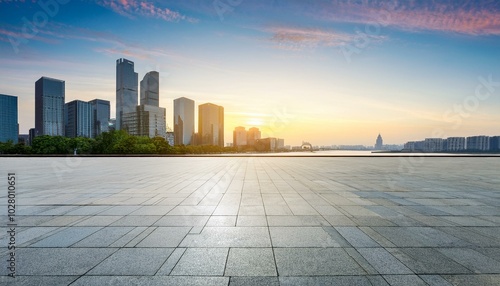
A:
(114, 142)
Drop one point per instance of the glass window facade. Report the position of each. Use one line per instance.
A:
(8, 118)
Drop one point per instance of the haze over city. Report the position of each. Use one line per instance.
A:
(327, 72)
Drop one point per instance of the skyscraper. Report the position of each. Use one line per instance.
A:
(150, 89)
(147, 119)
(100, 116)
(183, 121)
(126, 89)
(8, 118)
(49, 107)
(379, 143)
(253, 135)
(211, 124)
(239, 136)
(78, 119)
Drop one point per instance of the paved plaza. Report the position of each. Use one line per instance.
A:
(253, 221)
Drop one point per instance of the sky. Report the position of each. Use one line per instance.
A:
(336, 72)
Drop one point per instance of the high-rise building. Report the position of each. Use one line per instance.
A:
(379, 144)
(433, 145)
(239, 136)
(78, 119)
(495, 143)
(49, 107)
(253, 135)
(183, 121)
(478, 143)
(126, 89)
(9, 127)
(150, 89)
(100, 116)
(454, 144)
(211, 124)
(148, 118)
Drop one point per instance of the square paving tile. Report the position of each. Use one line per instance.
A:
(202, 262)
(133, 261)
(250, 262)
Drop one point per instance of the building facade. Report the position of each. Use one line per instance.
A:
(433, 145)
(78, 119)
(9, 127)
(478, 143)
(49, 107)
(253, 135)
(146, 120)
(183, 121)
(150, 89)
(100, 116)
(454, 144)
(495, 143)
(126, 89)
(239, 136)
(211, 124)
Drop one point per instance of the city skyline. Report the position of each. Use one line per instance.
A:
(326, 72)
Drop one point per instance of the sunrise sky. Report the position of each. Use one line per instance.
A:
(327, 72)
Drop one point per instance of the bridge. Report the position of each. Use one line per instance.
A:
(306, 146)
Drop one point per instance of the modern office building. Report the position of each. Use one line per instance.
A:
(379, 143)
(183, 121)
(100, 116)
(478, 143)
(9, 127)
(239, 136)
(78, 119)
(150, 89)
(211, 124)
(454, 144)
(146, 120)
(49, 107)
(126, 89)
(253, 134)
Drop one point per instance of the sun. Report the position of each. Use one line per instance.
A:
(254, 122)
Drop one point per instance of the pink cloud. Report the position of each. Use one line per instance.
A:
(130, 8)
(471, 18)
(295, 38)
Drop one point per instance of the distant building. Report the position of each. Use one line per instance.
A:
(495, 143)
(433, 145)
(414, 146)
(32, 135)
(269, 144)
(150, 89)
(100, 116)
(183, 121)
(253, 134)
(126, 89)
(454, 144)
(78, 119)
(112, 124)
(211, 124)
(49, 107)
(239, 136)
(379, 143)
(478, 143)
(24, 139)
(9, 118)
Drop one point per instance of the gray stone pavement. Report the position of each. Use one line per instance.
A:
(253, 221)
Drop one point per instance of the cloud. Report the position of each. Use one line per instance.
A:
(462, 17)
(130, 8)
(297, 38)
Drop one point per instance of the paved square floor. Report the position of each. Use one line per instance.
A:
(253, 221)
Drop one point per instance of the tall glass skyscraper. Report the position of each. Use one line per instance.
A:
(100, 116)
(183, 121)
(8, 118)
(78, 119)
(211, 124)
(49, 107)
(126, 89)
(150, 89)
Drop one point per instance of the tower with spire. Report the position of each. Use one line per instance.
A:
(379, 143)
